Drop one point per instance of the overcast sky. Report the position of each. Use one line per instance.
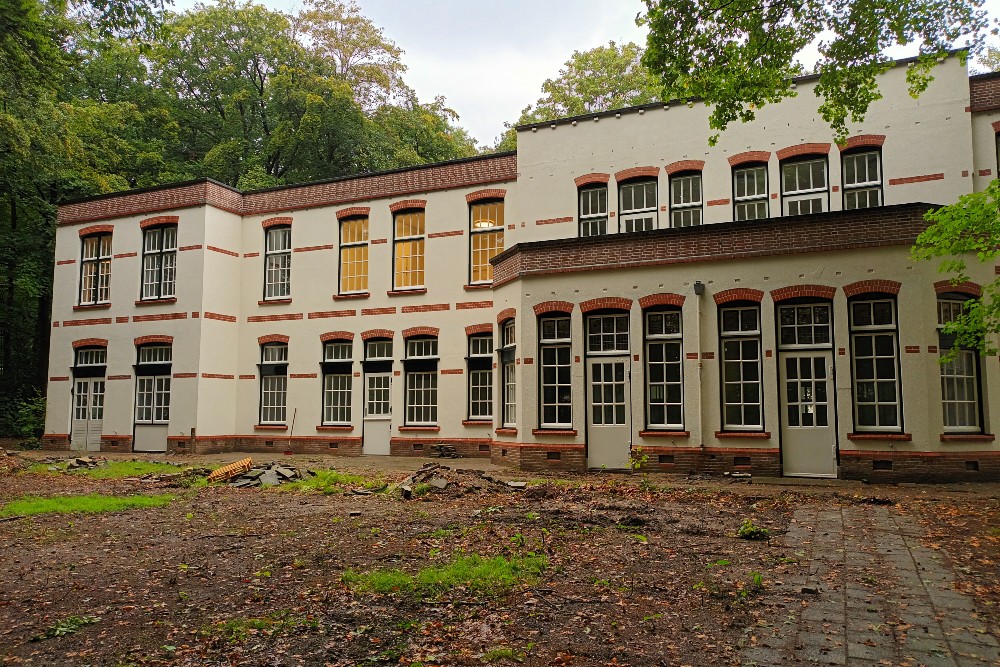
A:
(489, 59)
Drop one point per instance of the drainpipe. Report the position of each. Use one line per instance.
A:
(699, 290)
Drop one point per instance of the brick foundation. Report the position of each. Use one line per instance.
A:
(330, 446)
(897, 466)
(469, 448)
(710, 461)
(57, 442)
(116, 443)
(539, 458)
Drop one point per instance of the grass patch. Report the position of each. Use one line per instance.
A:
(66, 626)
(91, 504)
(503, 653)
(482, 576)
(329, 482)
(236, 630)
(111, 469)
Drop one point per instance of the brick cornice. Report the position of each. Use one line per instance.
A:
(662, 299)
(553, 307)
(146, 340)
(799, 291)
(412, 332)
(90, 342)
(97, 229)
(353, 212)
(749, 156)
(479, 328)
(862, 140)
(738, 294)
(336, 335)
(159, 220)
(608, 302)
(272, 338)
(480, 195)
(277, 221)
(405, 204)
(592, 179)
(377, 333)
(970, 288)
(684, 165)
(869, 286)
(803, 149)
(637, 172)
(506, 314)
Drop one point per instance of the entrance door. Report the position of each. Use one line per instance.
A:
(88, 414)
(378, 413)
(607, 413)
(807, 418)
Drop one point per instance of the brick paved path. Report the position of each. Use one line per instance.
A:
(881, 598)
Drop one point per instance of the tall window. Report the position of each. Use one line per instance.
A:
(664, 371)
(804, 186)
(508, 379)
(486, 237)
(95, 269)
(750, 193)
(152, 384)
(555, 369)
(960, 388)
(637, 204)
(337, 382)
(278, 262)
(273, 383)
(685, 200)
(159, 262)
(408, 250)
(875, 357)
(594, 211)
(741, 372)
(420, 365)
(354, 255)
(481, 376)
(862, 180)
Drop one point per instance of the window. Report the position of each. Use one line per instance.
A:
(875, 358)
(803, 187)
(480, 376)
(95, 269)
(486, 237)
(421, 381)
(152, 384)
(741, 379)
(337, 382)
(508, 379)
(805, 325)
(555, 369)
(594, 211)
(862, 180)
(92, 356)
(278, 263)
(685, 200)
(273, 383)
(607, 334)
(960, 387)
(337, 351)
(159, 262)
(664, 371)
(750, 193)
(378, 350)
(637, 203)
(354, 255)
(408, 250)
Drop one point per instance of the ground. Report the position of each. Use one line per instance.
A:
(635, 570)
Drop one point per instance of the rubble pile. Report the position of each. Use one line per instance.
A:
(437, 478)
(267, 475)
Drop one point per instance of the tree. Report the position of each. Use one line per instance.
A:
(739, 55)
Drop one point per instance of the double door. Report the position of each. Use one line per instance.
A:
(88, 414)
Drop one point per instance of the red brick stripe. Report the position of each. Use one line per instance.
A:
(217, 316)
(310, 248)
(276, 222)
(867, 286)
(248, 377)
(121, 320)
(119, 377)
(391, 310)
(749, 156)
(797, 291)
(145, 340)
(377, 333)
(159, 220)
(738, 294)
(159, 317)
(336, 335)
(302, 376)
(407, 204)
(803, 149)
(554, 221)
(592, 179)
(248, 255)
(610, 302)
(684, 165)
(97, 229)
(379, 241)
(451, 371)
(717, 202)
(323, 314)
(916, 179)
(182, 376)
(90, 342)
(420, 331)
(440, 235)
(863, 140)
(506, 314)
(190, 247)
(471, 305)
(480, 195)
(125, 255)
(87, 322)
(223, 251)
(426, 309)
(478, 329)
(970, 288)
(662, 299)
(272, 338)
(553, 307)
(636, 172)
(218, 376)
(275, 318)
(353, 211)
(65, 261)
(59, 378)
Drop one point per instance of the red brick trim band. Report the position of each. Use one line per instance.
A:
(798, 291)
(159, 317)
(554, 221)
(592, 179)
(322, 314)
(90, 342)
(336, 335)
(662, 299)
(59, 378)
(749, 156)
(302, 376)
(505, 431)
(441, 235)
(479, 328)
(377, 333)
(274, 318)
(97, 229)
(717, 202)
(684, 165)
(901, 437)
(353, 212)
(62, 262)
(665, 434)
(738, 294)
(184, 376)
(335, 427)
(406, 292)
(146, 340)
(472, 305)
(916, 179)
(637, 172)
(159, 220)
(867, 286)
(275, 302)
(972, 289)
(756, 435)
(222, 251)
(862, 140)
(276, 222)
(967, 437)
(480, 195)
(421, 331)
(506, 314)
(391, 310)
(407, 204)
(209, 315)
(553, 307)
(184, 248)
(93, 306)
(477, 422)
(270, 427)
(125, 255)
(310, 248)
(554, 431)
(427, 308)
(803, 149)
(610, 302)
(272, 338)
(87, 322)
(451, 371)
(119, 377)
(417, 429)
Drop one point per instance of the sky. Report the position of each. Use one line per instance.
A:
(489, 59)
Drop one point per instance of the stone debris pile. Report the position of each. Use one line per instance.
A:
(437, 478)
(268, 475)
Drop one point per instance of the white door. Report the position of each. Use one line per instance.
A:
(378, 413)
(608, 431)
(88, 414)
(152, 412)
(807, 419)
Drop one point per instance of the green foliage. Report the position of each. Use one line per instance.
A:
(499, 653)
(236, 630)
(740, 55)
(329, 482)
(66, 626)
(28, 418)
(89, 504)
(750, 531)
(478, 575)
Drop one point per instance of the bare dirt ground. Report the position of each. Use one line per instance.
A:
(641, 571)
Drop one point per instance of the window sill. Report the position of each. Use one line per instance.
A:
(761, 435)
(477, 422)
(156, 302)
(477, 286)
(270, 427)
(354, 295)
(664, 434)
(967, 437)
(413, 429)
(93, 306)
(903, 437)
(335, 427)
(274, 302)
(406, 292)
(553, 431)
(507, 430)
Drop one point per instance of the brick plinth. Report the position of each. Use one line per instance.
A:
(121, 443)
(920, 466)
(710, 461)
(559, 458)
(468, 448)
(56, 442)
(330, 446)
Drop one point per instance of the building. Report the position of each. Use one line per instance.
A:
(616, 289)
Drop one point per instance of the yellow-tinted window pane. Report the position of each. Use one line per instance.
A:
(409, 264)
(410, 224)
(487, 215)
(354, 268)
(485, 246)
(354, 231)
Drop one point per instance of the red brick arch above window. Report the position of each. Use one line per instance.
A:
(407, 204)
(738, 294)
(413, 332)
(662, 299)
(684, 165)
(377, 333)
(148, 340)
(353, 211)
(800, 291)
(90, 342)
(749, 156)
(592, 179)
(553, 307)
(480, 195)
(506, 314)
(866, 286)
(97, 229)
(608, 302)
(637, 172)
(159, 220)
(803, 149)
(272, 338)
(336, 335)
(478, 329)
(276, 222)
(970, 288)
(861, 140)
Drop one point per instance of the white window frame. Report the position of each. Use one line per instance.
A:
(95, 269)
(480, 385)
(412, 238)
(647, 214)
(508, 374)
(421, 387)
(686, 200)
(278, 263)
(796, 329)
(274, 387)
(872, 332)
(745, 340)
(91, 356)
(960, 378)
(667, 334)
(794, 195)
(555, 353)
(479, 230)
(593, 214)
(378, 350)
(159, 262)
(337, 393)
(338, 350)
(855, 189)
(748, 205)
(347, 247)
(608, 334)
